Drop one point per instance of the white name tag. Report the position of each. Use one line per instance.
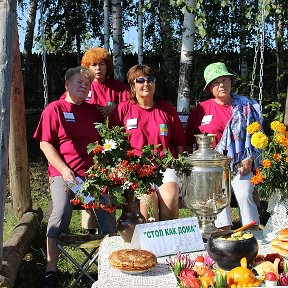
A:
(206, 119)
(169, 237)
(69, 117)
(132, 123)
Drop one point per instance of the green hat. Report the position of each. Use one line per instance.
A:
(214, 71)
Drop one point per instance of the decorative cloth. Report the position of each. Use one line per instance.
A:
(236, 139)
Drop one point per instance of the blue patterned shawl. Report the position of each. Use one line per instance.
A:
(235, 137)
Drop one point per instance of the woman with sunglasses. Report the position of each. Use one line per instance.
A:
(152, 121)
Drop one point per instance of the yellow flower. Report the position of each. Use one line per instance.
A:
(280, 138)
(254, 127)
(259, 140)
(277, 126)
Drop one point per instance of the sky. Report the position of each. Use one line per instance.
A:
(129, 36)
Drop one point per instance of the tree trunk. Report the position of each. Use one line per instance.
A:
(18, 155)
(117, 40)
(28, 44)
(16, 247)
(7, 16)
(167, 47)
(279, 46)
(243, 62)
(106, 25)
(140, 32)
(187, 49)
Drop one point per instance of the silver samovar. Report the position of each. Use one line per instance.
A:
(207, 183)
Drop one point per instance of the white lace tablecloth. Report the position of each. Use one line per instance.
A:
(159, 276)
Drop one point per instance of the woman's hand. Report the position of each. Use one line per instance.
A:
(106, 110)
(246, 166)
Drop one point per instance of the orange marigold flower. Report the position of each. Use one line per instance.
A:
(286, 159)
(257, 179)
(276, 157)
(267, 163)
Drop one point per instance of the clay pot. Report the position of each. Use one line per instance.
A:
(228, 253)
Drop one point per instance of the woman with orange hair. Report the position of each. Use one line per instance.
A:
(105, 92)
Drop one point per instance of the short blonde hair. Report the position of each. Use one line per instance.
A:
(83, 71)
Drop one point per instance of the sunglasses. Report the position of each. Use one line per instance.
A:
(149, 79)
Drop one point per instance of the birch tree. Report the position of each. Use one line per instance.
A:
(117, 39)
(7, 16)
(187, 49)
(106, 25)
(140, 32)
(29, 37)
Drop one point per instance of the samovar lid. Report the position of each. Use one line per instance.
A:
(205, 151)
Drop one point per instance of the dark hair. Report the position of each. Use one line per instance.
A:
(83, 71)
(136, 71)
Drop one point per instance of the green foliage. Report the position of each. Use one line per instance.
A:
(118, 168)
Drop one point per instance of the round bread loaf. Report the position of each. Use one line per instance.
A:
(283, 234)
(279, 246)
(132, 259)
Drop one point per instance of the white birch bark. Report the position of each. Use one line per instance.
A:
(106, 25)
(140, 32)
(187, 49)
(117, 39)
(7, 16)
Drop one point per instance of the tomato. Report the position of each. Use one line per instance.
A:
(270, 276)
(209, 273)
(199, 259)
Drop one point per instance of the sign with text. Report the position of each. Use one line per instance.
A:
(169, 237)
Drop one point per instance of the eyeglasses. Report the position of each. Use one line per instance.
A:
(149, 79)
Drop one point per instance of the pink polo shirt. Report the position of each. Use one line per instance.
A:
(106, 93)
(210, 117)
(69, 128)
(157, 125)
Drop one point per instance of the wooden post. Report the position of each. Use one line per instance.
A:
(18, 156)
(7, 9)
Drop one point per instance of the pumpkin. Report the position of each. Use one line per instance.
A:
(242, 276)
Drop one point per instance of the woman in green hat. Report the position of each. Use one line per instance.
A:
(227, 115)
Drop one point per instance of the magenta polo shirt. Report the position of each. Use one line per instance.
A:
(106, 93)
(69, 128)
(208, 116)
(157, 125)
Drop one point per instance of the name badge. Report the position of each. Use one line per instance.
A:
(206, 119)
(88, 98)
(169, 237)
(163, 130)
(69, 117)
(132, 123)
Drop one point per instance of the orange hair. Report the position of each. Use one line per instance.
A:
(96, 55)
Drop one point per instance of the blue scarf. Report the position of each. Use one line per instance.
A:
(235, 138)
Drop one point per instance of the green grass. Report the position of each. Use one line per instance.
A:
(33, 266)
